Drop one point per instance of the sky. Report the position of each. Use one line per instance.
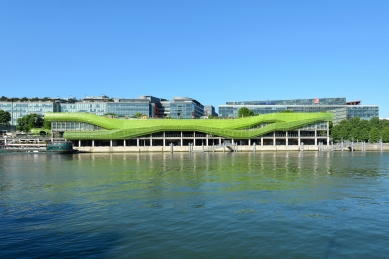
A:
(212, 51)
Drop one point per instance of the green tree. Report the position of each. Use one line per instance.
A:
(47, 124)
(374, 135)
(375, 122)
(3, 99)
(245, 112)
(385, 135)
(138, 114)
(5, 117)
(26, 123)
(364, 135)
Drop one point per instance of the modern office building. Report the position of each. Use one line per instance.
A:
(341, 109)
(20, 109)
(148, 106)
(209, 110)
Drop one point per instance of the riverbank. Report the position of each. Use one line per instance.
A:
(243, 148)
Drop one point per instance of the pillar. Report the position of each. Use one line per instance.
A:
(274, 138)
(287, 139)
(299, 138)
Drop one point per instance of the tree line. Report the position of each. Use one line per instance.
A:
(356, 129)
(24, 99)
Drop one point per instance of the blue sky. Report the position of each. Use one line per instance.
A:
(213, 51)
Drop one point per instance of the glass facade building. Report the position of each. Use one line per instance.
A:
(182, 108)
(365, 112)
(129, 109)
(152, 107)
(21, 109)
(338, 106)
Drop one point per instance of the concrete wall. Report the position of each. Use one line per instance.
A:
(369, 147)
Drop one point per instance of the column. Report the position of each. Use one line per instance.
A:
(274, 138)
(164, 139)
(137, 142)
(261, 141)
(93, 143)
(110, 143)
(79, 143)
(316, 135)
(287, 139)
(249, 142)
(194, 138)
(151, 140)
(124, 143)
(182, 138)
(299, 138)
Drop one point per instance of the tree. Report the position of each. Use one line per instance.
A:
(138, 115)
(47, 124)
(374, 135)
(5, 117)
(26, 123)
(374, 122)
(3, 99)
(245, 112)
(385, 135)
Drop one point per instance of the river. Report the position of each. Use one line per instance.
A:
(192, 205)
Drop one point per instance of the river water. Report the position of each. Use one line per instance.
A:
(181, 205)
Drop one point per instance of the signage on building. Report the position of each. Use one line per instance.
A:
(316, 100)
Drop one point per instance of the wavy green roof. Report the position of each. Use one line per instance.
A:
(229, 128)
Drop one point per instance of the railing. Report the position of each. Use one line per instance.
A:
(122, 129)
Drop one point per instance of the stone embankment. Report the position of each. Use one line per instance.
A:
(356, 147)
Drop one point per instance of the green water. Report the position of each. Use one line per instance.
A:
(216, 205)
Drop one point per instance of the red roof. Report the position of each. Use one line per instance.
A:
(354, 102)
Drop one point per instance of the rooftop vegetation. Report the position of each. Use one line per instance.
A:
(242, 128)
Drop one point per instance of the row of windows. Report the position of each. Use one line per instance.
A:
(73, 126)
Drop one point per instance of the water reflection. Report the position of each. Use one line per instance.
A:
(195, 204)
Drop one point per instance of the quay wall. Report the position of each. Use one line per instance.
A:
(244, 148)
(195, 149)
